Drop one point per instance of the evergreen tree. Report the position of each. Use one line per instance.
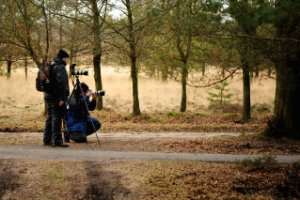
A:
(221, 96)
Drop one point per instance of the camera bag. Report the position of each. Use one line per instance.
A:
(43, 81)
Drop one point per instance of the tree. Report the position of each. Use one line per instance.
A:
(26, 26)
(284, 52)
(244, 13)
(222, 94)
(86, 33)
(97, 44)
(131, 30)
(281, 45)
(184, 31)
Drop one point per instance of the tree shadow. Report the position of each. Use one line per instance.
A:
(8, 179)
(104, 185)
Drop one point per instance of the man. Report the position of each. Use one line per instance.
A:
(56, 100)
(79, 123)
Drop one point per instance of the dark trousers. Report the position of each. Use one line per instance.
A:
(52, 133)
(89, 126)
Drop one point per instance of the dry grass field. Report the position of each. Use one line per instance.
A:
(155, 95)
(21, 104)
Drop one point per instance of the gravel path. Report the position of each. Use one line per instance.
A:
(59, 153)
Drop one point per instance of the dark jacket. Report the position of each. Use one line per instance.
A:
(91, 104)
(77, 117)
(60, 80)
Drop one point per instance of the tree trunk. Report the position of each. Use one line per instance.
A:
(133, 58)
(26, 68)
(71, 58)
(164, 74)
(256, 71)
(73, 37)
(135, 91)
(246, 90)
(286, 120)
(184, 74)
(97, 52)
(9, 64)
(203, 70)
(61, 33)
(1, 70)
(223, 72)
(98, 79)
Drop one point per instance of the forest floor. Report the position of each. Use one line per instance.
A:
(123, 178)
(205, 131)
(166, 180)
(226, 118)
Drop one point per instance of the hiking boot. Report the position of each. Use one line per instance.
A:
(79, 137)
(66, 139)
(60, 145)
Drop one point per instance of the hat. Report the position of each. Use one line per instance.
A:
(84, 87)
(62, 54)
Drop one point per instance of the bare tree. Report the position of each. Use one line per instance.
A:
(97, 43)
(88, 19)
(23, 20)
(130, 30)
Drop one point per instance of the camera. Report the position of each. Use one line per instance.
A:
(77, 73)
(99, 92)
(81, 72)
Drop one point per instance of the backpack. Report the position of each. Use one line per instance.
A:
(43, 81)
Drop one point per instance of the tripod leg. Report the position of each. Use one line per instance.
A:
(94, 129)
(66, 132)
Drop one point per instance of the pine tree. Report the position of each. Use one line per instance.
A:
(221, 94)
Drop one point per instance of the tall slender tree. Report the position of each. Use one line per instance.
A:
(187, 24)
(97, 43)
(131, 29)
(244, 13)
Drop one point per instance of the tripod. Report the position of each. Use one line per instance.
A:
(77, 90)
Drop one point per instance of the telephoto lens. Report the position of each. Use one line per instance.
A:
(81, 72)
(100, 93)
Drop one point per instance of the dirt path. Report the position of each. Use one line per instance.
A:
(49, 153)
(140, 135)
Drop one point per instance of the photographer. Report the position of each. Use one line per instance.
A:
(56, 101)
(78, 122)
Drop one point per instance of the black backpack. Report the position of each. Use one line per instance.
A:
(44, 81)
